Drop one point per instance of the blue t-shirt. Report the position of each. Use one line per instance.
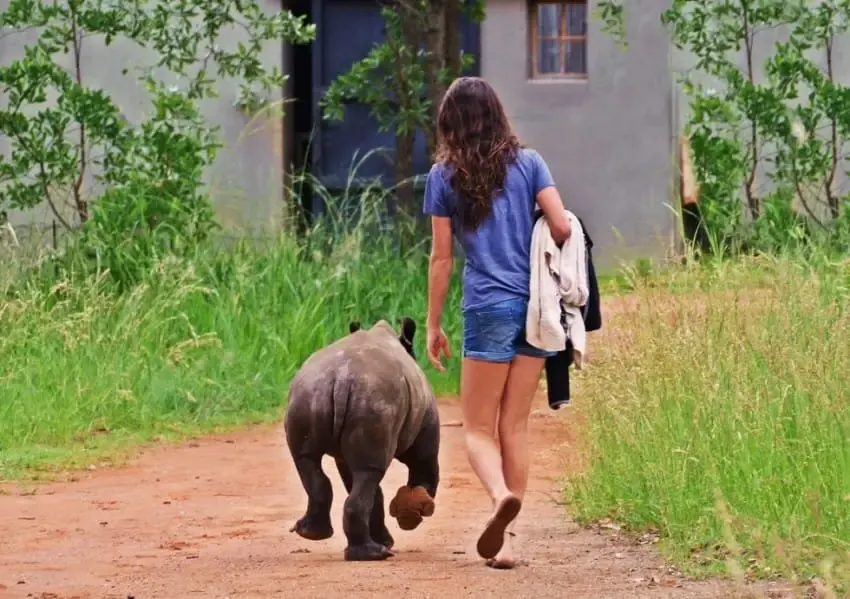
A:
(497, 266)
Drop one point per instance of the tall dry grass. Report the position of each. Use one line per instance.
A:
(718, 414)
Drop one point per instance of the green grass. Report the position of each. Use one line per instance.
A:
(718, 414)
(203, 343)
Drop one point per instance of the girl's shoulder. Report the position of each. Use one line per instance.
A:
(440, 170)
(527, 154)
(440, 167)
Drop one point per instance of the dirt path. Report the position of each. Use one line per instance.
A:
(211, 519)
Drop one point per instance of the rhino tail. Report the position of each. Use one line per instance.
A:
(341, 395)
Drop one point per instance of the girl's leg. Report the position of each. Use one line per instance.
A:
(515, 409)
(490, 346)
(523, 381)
(481, 388)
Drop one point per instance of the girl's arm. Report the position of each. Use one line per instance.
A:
(550, 202)
(439, 268)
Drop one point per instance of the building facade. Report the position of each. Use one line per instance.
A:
(603, 118)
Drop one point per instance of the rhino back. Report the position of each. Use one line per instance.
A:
(312, 409)
(414, 392)
(365, 387)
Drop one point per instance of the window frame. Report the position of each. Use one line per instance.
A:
(563, 38)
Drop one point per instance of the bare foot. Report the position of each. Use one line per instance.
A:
(491, 540)
(504, 560)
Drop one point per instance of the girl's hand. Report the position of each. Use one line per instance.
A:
(437, 343)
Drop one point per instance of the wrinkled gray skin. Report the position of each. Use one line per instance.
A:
(362, 400)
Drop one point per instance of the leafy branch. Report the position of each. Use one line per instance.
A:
(64, 133)
(402, 80)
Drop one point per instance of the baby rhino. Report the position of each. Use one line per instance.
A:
(364, 400)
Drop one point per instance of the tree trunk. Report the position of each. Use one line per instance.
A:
(404, 173)
(435, 22)
(406, 210)
(452, 37)
(406, 50)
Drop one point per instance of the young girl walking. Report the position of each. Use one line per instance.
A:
(483, 189)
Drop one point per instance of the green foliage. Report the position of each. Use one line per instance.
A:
(612, 15)
(770, 130)
(790, 125)
(392, 79)
(207, 339)
(150, 173)
(154, 202)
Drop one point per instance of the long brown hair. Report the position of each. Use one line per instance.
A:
(475, 140)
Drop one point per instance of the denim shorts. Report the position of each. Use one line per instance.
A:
(496, 333)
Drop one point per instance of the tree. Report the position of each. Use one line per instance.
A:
(404, 78)
(151, 171)
(612, 15)
(793, 126)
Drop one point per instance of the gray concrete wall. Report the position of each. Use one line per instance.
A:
(609, 139)
(246, 181)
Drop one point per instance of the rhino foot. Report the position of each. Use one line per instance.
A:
(410, 505)
(311, 530)
(368, 552)
(383, 537)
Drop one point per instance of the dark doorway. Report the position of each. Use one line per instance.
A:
(302, 109)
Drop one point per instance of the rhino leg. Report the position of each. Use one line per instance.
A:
(315, 525)
(308, 431)
(378, 530)
(422, 458)
(356, 518)
(377, 524)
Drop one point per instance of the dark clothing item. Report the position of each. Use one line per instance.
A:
(558, 366)
(591, 312)
(558, 377)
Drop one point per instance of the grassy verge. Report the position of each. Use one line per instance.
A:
(203, 343)
(719, 416)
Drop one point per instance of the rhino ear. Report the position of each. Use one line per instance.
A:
(354, 326)
(408, 331)
(408, 328)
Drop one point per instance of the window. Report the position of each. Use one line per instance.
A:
(559, 40)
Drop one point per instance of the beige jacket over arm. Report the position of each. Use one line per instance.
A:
(558, 278)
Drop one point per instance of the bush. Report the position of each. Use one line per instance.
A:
(148, 197)
(206, 340)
